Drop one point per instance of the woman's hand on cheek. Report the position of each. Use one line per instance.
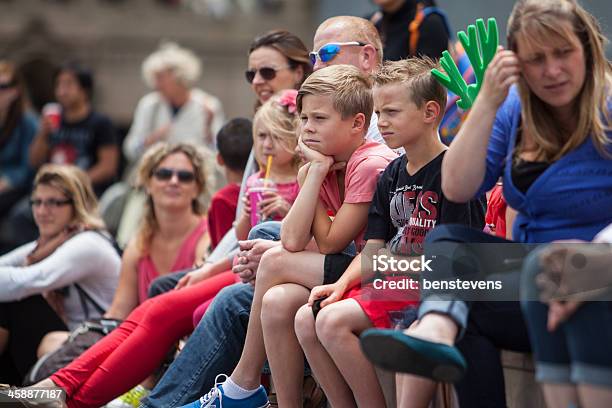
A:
(503, 71)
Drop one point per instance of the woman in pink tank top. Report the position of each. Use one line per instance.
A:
(172, 235)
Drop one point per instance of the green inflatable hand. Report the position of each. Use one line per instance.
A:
(479, 58)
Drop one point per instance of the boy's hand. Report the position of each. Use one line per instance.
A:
(332, 293)
(312, 156)
(273, 204)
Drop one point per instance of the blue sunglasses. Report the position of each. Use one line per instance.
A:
(329, 51)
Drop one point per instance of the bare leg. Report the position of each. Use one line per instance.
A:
(413, 391)
(282, 347)
(592, 396)
(434, 327)
(327, 374)
(51, 342)
(277, 266)
(338, 327)
(560, 395)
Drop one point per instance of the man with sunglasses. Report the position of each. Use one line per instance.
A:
(216, 344)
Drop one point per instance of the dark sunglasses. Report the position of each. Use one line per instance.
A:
(267, 73)
(50, 203)
(7, 85)
(165, 174)
(329, 51)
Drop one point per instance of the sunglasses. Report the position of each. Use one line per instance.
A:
(165, 174)
(7, 85)
(50, 203)
(267, 73)
(330, 50)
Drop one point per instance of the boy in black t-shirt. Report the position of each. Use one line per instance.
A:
(408, 203)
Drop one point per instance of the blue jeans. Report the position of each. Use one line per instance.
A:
(216, 344)
(578, 351)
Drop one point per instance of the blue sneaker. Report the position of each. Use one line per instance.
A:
(217, 399)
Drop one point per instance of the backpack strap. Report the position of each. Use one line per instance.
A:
(86, 298)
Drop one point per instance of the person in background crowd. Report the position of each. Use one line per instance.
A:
(85, 138)
(411, 28)
(176, 111)
(17, 130)
(67, 275)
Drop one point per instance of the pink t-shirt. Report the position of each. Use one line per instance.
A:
(362, 171)
(288, 191)
(147, 271)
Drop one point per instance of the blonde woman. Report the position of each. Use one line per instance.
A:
(72, 254)
(542, 123)
(172, 235)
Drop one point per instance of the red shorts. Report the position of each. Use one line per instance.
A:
(378, 303)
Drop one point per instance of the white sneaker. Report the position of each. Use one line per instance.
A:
(130, 399)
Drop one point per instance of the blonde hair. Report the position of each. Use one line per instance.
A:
(281, 123)
(415, 74)
(355, 29)
(539, 20)
(148, 164)
(349, 88)
(184, 64)
(76, 186)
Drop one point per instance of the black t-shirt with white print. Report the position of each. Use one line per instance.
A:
(406, 207)
(78, 142)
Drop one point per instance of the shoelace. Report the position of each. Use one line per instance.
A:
(205, 400)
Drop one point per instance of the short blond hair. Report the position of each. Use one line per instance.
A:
(356, 29)
(183, 62)
(349, 88)
(76, 186)
(415, 74)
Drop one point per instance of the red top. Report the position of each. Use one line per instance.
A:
(222, 212)
(147, 271)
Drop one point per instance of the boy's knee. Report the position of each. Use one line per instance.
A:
(305, 326)
(328, 324)
(276, 306)
(271, 263)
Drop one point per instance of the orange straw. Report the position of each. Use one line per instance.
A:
(268, 167)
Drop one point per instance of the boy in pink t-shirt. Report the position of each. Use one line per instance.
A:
(336, 188)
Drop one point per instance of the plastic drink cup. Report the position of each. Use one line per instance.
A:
(256, 194)
(53, 111)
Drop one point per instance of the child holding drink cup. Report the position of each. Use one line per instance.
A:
(272, 190)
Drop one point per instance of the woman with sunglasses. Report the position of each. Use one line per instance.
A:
(171, 231)
(67, 275)
(17, 130)
(277, 60)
